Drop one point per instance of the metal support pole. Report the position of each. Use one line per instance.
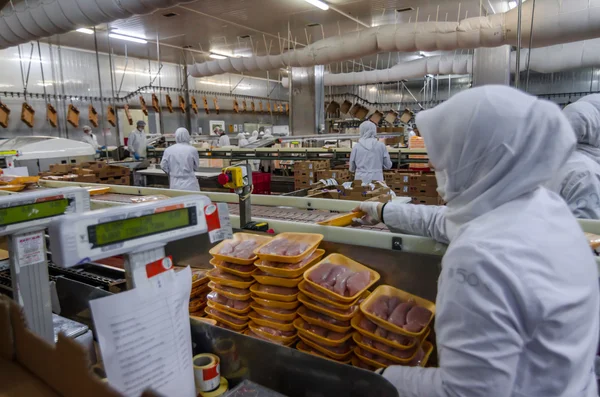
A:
(186, 93)
(518, 66)
(530, 44)
(160, 113)
(112, 89)
(245, 204)
(100, 87)
(62, 85)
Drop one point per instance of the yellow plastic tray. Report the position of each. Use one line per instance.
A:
(341, 220)
(266, 312)
(241, 297)
(281, 339)
(313, 296)
(219, 264)
(239, 236)
(216, 314)
(340, 357)
(342, 260)
(356, 362)
(404, 296)
(273, 324)
(276, 297)
(359, 353)
(12, 188)
(248, 332)
(358, 340)
(427, 348)
(199, 276)
(303, 347)
(312, 239)
(276, 304)
(233, 326)
(302, 312)
(210, 321)
(196, 306)
(307, 263)
(278, 281)
(95, 191)
(231, 283)
(226, 310)
(299, 324)
(199, 290)
(355, 324)
(229, 310)
(19, 180)
(338, 316)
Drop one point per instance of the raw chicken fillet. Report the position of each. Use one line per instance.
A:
(223, 300)
(340, 279)
(284, 247)
(272, 289)
(242, 249)
(407, 315)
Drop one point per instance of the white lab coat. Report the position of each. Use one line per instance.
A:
(137, 143)
(517, 305)
(267, 165)
(583, 116)
(242, 141)
(255, 164)
(180, 161)
(223, 141)
(90, 140)
(369, 156)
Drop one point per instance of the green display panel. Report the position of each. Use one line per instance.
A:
(128, 229)
(31, 212)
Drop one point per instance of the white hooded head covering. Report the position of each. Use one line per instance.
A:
(584, 116)
(268, 133)
(182, 135)
(493, 144)
(241, 135)
(368, 134)
(254, 134)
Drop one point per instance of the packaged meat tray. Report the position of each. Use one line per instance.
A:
(258, 336)
(199, 290)
(341, 220)
(240, 249)
(228, 305)
(289, 270)
(289, 247)
(373, 359)
(341, 278)
(394, 356)
(199, 276)
(323, 320)
(279, 314)
(267, 279)
(356, 362)
(370, 360)
(276, 293)
(229, 319)
(275, 304)
(371, 330)
(241, 294)
(220, 277)
(271, 322)
(233, 268)
(342, 315)
(314, 294)
(283, 337)
(340, 353)
(320, 334)
(303, 347)
(398, 311)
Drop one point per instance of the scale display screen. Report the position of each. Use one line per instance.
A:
(32, 212)
(128, 229)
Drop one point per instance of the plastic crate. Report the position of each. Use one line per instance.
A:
(261, 182)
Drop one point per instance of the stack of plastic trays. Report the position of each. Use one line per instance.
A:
(200, 290)
(275, 295)
(230, 280)
(381, 343)
(325, 323)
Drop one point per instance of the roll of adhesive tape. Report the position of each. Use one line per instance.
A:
(223, 387)
(207, 372)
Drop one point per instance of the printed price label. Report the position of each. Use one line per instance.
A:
(218, 222)
(30, 248)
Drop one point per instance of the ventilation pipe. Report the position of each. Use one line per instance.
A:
(556, 22)
(33, 19)
(552, 59)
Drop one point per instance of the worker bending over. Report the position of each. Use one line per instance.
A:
(89, 137)
(517, 304)
(180, 161)
(369, 156)
(578, 182)
(137, 142)
(242, 141)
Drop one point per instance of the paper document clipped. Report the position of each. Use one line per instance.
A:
(145, 340)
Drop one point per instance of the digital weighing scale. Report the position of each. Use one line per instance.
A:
(139, 232)
(23, 218)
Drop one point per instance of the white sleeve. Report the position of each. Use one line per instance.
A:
(419, 220)
(582, 194)
(95, 144)
(196, 159)
(131, 143)
(164, 163)
(353, 160)
(387, 162)
(478, 332)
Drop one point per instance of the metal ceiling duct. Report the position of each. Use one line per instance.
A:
(557, 58)
(35, 19)
(556, 22)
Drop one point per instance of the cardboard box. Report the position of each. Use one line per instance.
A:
(423, 191)
(338, 175)
(423, 180)
(90, 178)
(112, 171)
(311, 165)
(122, 180)
(60, 168)
(402, 190)
(425, 200)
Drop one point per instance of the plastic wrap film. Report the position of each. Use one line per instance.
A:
(555, 22)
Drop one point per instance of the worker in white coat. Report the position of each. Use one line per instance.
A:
(89, 137)
(267, 165)
(254, 137)
(137, 142)
(517, 305)
(369, 156)
(255, 164)
(180, 161)
(242, 141)
(223, 138)
(578, 182)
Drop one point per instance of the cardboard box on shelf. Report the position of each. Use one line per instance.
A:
(403, 190)
(312, 165)
(423, 180)
(425, 200)
(338, 175)
(61, 168)
(423, 191)
(90, 178)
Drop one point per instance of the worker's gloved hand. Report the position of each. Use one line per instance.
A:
(136, 156)
(150, 147)
(371, 211)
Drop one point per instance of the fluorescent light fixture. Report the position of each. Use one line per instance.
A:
(319, 4)
(85, 30)
(128, 33)
(512, 4)
(128, 38)
(217, 56)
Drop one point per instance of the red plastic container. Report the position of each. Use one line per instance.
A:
(261, 182)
